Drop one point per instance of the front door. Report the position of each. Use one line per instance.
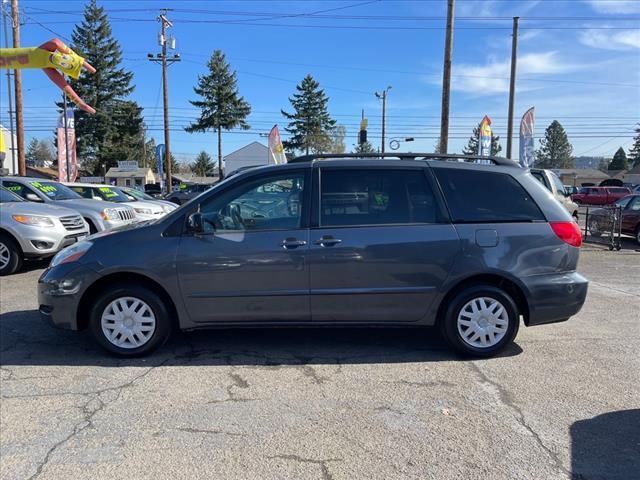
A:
(382, 247)
(250, 265)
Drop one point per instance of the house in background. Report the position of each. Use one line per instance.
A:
(129, 174)
(578, 177)
(251, 155)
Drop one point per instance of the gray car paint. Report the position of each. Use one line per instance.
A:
(384, 274)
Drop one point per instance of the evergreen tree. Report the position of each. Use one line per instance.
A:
(365, 147)
(39, 153)
(634, 151)
(472, 147)
(203, 166)
(619, 161)
(221, 106)
(110, 134)
(555, 150)
(310, 124)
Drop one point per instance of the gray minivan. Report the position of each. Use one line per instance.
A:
(385, 240)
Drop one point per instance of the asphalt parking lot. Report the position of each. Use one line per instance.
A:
(563, 402)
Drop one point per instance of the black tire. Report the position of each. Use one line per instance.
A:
(14, 261)
(449, 325)
(151, 298)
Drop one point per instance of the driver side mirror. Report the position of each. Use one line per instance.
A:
(32, 197)
(195, 223)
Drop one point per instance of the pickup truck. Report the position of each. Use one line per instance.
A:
(599, 195)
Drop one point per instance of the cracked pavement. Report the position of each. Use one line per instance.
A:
(329, 404)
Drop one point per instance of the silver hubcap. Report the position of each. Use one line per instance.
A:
(128, 322)
(483, 322)
(4, 255)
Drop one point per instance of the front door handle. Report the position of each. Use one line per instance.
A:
(327, 241)
(292, 242)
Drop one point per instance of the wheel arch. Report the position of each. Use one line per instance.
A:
(86, 301)
(14, 238)
(508, 285)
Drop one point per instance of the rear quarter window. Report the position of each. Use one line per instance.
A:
(486, 197)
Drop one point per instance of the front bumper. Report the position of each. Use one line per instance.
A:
(42, 243)
(60, 290)
(554, 298)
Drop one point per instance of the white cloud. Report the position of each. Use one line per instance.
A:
(620, 40)
(493, 77)
(615, 6)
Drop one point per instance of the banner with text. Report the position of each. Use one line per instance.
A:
(68, 146)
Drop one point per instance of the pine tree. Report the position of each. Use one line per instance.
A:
(39, 153)
(221, 106)
(472, 147)
(365, 147)
(555, 150)
(619, 161)
(310, 124)
(203, 166)
(107, 136)
(634, 151)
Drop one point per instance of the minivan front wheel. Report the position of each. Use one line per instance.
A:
(481, 321)
(130, 320)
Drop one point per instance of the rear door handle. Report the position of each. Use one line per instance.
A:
(327, 241)
(291, 242)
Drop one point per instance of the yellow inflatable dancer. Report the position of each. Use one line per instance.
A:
(50, 57)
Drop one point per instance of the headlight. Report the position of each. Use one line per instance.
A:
(36, 220)
(169, 208)
(110, 214)
(144, 211)
(71, 254)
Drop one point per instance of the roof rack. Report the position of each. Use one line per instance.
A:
(406, 156)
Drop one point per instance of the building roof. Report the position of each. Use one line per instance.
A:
(191, 178)
(252, 145)
(115, 172)
(634, 171)
(582, 172)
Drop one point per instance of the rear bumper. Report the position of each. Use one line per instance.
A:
(555, 298)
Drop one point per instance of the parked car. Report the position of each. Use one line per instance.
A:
(29, 230)
(186, 192)
(98, 215)
(599, 195)
(144, 210)
(552, 183)
(600, 219)
(135, 194)
(405, 241)
(153, 189)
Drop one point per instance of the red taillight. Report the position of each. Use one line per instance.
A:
(568, 232)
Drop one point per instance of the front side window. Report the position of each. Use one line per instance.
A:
(6, 196)
(375, 197)
(622, 203)
(273, 203)
(557, 182)
(486, 197)
(635, 204)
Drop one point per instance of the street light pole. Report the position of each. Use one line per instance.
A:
(383, 96)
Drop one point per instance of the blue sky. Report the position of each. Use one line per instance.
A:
(582, 69)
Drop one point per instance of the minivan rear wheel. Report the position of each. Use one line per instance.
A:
(130, 320)
(480, 321)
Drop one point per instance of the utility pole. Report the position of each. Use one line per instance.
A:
(12, 147)
(17, 77)
(446, 79)
(512, 84)
(66, 135)
(383, 96)
(165, 62)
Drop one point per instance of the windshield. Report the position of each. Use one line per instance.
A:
(624, 201)
(111, 194)
(137, 194)
(55, 190)
(6, 196)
